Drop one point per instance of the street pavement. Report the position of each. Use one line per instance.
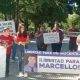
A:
(39, 76)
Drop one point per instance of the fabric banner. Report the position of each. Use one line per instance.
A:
(72, 34)
(67, 62)
(2, 61)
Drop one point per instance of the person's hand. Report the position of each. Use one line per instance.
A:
(15, 38)
(38, 35)
(19, 43)
(23, 43)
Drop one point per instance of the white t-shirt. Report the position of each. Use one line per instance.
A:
(78, 38)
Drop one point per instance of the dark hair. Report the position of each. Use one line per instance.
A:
(5, 29)
(41, 25)
(32, 55)
(19, 29)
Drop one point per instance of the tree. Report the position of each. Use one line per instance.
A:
(38, 11)
(74, 18)
(50, 11)
(7, 7)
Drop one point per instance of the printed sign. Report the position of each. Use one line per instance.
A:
(9, 24)
(53, 62)
(52, 37)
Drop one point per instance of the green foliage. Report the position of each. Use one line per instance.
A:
(73, 18)
(52, 10)
(7, 6)
(1, 17)
(44, 10)
(37, 11)
(64, 25)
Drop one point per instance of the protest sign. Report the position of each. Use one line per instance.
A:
(60, 63)
(9, 24)
(52, 37)
(2, 61)
(53, 62)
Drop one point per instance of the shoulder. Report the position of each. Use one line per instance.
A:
(60, 31)
(26, 66)
(1, 36)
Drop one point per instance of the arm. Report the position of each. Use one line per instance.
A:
(15, 37)
(61, 36)
(10, 41)
(37, 34)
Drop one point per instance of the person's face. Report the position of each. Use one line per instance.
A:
(7, 32)
(32, 60)
(22, 29)
(42, 29)
(56, 26)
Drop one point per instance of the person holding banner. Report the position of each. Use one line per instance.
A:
(39, 38)
(21, 38)
(56, 47)
(6, 40)
(72, 41)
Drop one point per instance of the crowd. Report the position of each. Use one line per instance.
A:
(17, 43)
(56, 47)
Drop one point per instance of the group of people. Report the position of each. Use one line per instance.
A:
(21, 39)
(56, 47)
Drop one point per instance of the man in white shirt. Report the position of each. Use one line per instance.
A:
(31, 65)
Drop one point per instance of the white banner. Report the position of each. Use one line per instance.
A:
(53, 62)
(59, 64)
(52, 37)
(9, 24)
(2, 61)
(72, 34)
